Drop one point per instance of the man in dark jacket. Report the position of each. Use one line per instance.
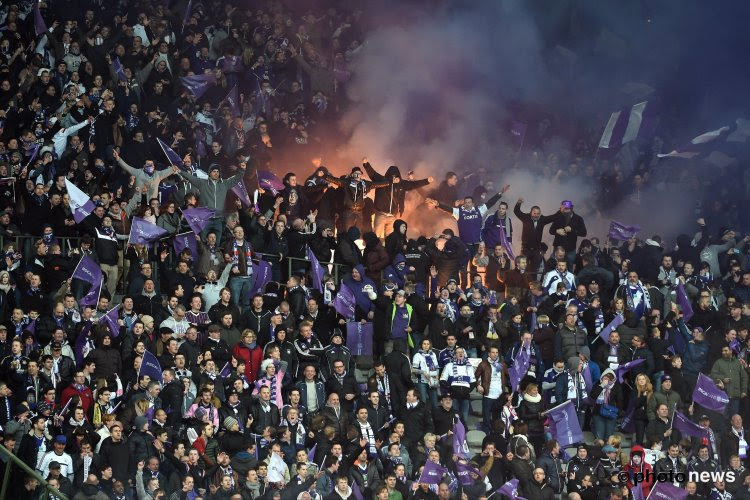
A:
(567, 227)
(417, 421)
(531, 235)
(390, 199)
(552, 467)
(538, 488)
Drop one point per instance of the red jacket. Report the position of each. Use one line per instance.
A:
(251, 358)
(644, 468)
(86, 396)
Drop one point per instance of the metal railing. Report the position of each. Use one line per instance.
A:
(14, 460)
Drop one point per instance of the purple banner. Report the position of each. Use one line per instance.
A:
(110, 319)
(241, 191)
(621, 232)
(261, 275)
(143, 232)
(227, 370)
(186, 240)
(188, 11)
(460, 447)
(684, 303)
(266, 180)
(197, 218)
(89, 271)
(356, 491)
(565, 427)
(359, 338)
(81, 340)
(432, 473)
(172, 156)
(344, 302)
(233, 100)
(509, 489)
(708, 395)
(119, 70)
(622, 370)
(617, 321)
(465, 472)
(198, 84)
(519, 368)
(316, 271)
(628, 423)
(687, 427)
(150, 366)
(39, 25)
(667, 491)
(506, 245)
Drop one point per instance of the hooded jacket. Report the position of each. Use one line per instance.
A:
(390, 199)
(396, 272)
(396, 242)
(615, 393)
(631, 469)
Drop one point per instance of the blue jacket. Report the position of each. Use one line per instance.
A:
(695, 355)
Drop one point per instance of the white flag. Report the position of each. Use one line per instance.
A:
(80, 204)
(276, 469)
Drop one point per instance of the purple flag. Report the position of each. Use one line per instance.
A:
(506, 244)
(261, 275)
(464, 473)
(150, 366)
(227, 370)
(80, 203)
(197, 218)
(616, 321)
(621, 232)
(687, 426)
(231, 64)
(316, 271)
(198, 84)
(708, 395)
(684, 303)
(119, 70)
(311, 454)
(622, 370)
(188, 11)
(266, 180)
(432, 473)
(83, 336)
(359, 338)
(110, 319)
(241, 191)
(628, 422)
(31, 327)
(735, 346)
(701, 145)
(518, 131)
(39, 25)
(638, 493)
(200, 142)
(356, 491)
(666, 491)
(564, 426)
(509, 489)
(149, 414)
(519, 368)
(186, 240)
(460, 447)
(172, 156)
(233, 100)
(143, 232)
(89, 271)
(344, 302)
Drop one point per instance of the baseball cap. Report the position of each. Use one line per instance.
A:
(567, 204)
(54, 464)
(61, 439)
(609, 449)
(665, 378)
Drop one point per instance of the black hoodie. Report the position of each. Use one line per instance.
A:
(390, 199)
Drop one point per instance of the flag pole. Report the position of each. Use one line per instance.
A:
(674, 412)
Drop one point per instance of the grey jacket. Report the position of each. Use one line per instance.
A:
(213, 194)
(141, 177)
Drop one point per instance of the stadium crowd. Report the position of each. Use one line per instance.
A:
(256, 394)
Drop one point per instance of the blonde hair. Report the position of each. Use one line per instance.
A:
(649, 387)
